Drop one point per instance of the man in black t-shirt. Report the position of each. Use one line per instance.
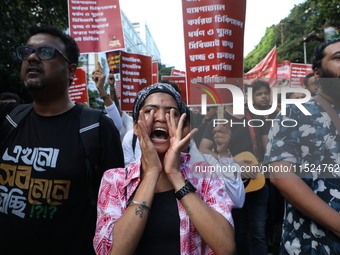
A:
(45, 205)
(261, 101)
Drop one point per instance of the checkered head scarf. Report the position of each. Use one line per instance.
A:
(155, 88)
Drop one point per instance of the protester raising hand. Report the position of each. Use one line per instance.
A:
(99, 77)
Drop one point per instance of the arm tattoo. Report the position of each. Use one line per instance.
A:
(140, 209)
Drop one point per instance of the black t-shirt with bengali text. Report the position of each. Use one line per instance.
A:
(45, 206)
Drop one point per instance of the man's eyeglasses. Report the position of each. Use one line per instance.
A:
(43, 52)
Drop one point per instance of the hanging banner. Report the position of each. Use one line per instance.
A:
(135, 73)
(213, 36)
(96, 26)
(154, 72)
(297, 73)
(180, 81)
(175, 72)
(78, 89)
(283, 74)
(265, 70)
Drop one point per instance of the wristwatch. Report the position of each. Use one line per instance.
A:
(188, 187)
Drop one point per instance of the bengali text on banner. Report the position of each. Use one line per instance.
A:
(213, 34)
(96, 26)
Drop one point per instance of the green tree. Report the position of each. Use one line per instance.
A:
(305, 21)
(268, 41)
(163, 70)
(322, 12)
(16, 16)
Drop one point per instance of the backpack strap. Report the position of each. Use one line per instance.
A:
(89, 130)
(89, 123)
(12, 120)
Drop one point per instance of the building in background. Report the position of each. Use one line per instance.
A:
(138, 39)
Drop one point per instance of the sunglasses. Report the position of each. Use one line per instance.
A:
(43, 52)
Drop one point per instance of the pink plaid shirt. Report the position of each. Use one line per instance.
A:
(119, 184)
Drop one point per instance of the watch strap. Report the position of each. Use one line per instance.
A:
(188, 187)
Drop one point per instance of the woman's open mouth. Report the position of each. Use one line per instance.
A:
(159, 134)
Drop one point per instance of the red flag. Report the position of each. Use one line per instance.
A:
(265, 70)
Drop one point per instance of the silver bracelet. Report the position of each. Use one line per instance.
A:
(138, 203)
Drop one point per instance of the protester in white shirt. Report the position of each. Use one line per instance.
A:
(121, 119)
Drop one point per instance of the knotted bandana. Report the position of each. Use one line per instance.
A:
(154, 88)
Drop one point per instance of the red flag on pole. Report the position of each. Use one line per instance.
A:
(265, 70)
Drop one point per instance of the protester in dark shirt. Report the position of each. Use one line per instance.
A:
(45, 200)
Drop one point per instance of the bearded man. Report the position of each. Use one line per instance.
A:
(307, 160)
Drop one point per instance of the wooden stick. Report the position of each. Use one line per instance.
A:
(96, 61)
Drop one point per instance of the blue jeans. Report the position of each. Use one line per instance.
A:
(250, 224)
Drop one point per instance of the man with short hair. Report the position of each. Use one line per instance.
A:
(261, 95)
(47, 192)
(309, 156)
(261, 101)
(311, 84)
(261, 98)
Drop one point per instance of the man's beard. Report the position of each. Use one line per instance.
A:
(329, 83)
(34, 86)
(33, 82)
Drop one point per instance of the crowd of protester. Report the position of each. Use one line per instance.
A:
(137, 183)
